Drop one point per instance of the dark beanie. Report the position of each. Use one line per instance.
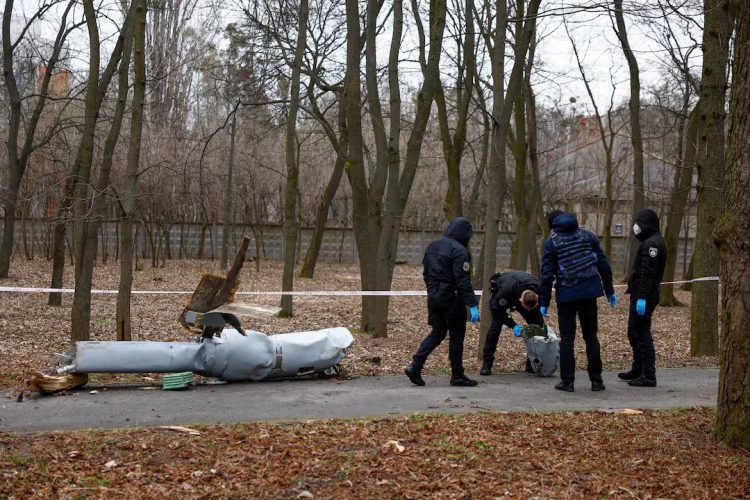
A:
(552, 216)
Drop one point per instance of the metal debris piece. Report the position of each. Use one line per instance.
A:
(177, 381)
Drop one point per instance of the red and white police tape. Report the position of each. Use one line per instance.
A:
(315, 293)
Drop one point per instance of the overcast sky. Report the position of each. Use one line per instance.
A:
(557, 77)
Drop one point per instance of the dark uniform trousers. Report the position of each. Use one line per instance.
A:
(641, 341)
(533, 317)
(444, 320)
(587, 315)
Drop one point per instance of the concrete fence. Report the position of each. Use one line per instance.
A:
(35, 238)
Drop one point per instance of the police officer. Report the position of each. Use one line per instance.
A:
(446, 273)
(511, 291)
(643, 286)
(575, 262)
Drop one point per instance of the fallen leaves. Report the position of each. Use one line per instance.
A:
(655, 454)
(34, 331)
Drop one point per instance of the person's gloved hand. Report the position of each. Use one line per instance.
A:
(543, 310)
(474, 314)
(612, 300)
(640, 307)
(517, 330)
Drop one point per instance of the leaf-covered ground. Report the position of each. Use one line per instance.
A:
(31, 331)
(656, 454)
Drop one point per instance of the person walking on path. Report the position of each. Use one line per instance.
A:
(511, 291)
(447, 265)
(574, 261)
(643, 286)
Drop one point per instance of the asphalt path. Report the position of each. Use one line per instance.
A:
(127, 405)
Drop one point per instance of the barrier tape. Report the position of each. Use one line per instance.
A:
(318, 293)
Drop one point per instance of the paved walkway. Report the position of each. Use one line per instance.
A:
(128, 406)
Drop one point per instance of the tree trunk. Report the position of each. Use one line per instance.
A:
(227, 226)
(471, 212)
(704, 318)
(123, 317)
(520, 250)
(321, 216)
(292, 164)
(86, 258)
(677, 209)
(354, 166)
(636, 137)
(733, 235)
(341, 144)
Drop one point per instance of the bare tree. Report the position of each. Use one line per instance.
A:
(75, 195)
(292, 163)
(86, 255)
(340, 144)
(636, 137)
(453, 147)
(18, 156)
(607, 140)
(501, 112)
(128, 199)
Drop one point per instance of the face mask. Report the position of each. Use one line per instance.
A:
(636, 229)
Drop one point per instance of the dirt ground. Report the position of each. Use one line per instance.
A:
(31, 331)
(652, 454)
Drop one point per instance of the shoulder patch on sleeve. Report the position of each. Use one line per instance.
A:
(653, 251)
(503, 302)
(466, 266)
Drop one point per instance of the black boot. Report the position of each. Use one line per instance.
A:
(597, 386)
(486, 369)
(414, 374)
(631, 375)
(565, 386)
(463, 381)
(642, 382)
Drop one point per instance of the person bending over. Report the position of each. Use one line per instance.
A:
(511, 291)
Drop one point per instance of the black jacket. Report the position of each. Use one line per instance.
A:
(506, 292)
(447, 265)
(648, 267)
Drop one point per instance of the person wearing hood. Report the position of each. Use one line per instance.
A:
(447, 265)
(643, 286)
(574, 261)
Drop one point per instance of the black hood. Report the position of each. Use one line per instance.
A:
(552, 216)
(565, 223)
(460, 230)
(648, 221)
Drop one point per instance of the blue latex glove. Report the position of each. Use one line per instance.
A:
(612, 300)
(517, 330)
(543, 310)
(474, 314)
(640, 307)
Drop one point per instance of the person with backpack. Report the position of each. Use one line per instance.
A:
(510, 291)
(643, 286)
(574, 261)
(447, 265)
